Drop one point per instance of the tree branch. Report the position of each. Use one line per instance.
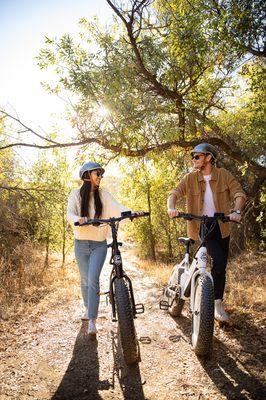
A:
(158, 87)
(27, 129)
(16, 188)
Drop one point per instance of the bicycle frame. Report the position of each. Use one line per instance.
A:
(188, 277)
(116, 259)
(199, 263)
(118, 273)
(192, 280)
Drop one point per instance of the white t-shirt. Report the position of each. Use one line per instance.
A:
(111, 208)
(208, 202)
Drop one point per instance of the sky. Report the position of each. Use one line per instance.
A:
(23, 27)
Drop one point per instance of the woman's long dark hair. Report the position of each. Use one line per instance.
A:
(85, 198)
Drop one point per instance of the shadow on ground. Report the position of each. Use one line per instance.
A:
(231, 376)
(129, 377)
(81, 379)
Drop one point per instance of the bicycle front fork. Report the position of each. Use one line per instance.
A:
(136, 308)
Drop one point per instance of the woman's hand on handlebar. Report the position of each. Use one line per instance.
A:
(83, 220)
(172, 213)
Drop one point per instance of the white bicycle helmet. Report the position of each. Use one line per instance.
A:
(90, 166)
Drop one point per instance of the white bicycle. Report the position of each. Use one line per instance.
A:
(194, 282)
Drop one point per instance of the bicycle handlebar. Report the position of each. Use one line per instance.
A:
(124, 215)
(204, 218)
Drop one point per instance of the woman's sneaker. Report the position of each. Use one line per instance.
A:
(92, 327)
(85, 315)
(219, 312)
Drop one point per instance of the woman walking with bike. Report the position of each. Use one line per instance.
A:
(209, 190)
(85, 203)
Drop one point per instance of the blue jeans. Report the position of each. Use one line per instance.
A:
(90, 256)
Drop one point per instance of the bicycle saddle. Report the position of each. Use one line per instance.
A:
(184, 240)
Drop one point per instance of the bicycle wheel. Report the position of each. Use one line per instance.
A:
(126, 326)
(177, 305)
(203, 316)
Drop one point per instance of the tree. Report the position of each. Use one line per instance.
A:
(167, 74)
(163, 70)
(53, 180)
(163, 73)
(146, 186)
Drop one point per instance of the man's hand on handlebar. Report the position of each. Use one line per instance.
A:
(172, 213)
(235, 217)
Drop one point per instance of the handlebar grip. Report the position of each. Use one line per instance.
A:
(141, 214)
(89, 222)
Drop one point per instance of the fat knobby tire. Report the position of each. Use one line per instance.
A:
(126, 326)
(203, 336)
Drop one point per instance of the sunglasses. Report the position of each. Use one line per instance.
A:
(197, 156)
(99, 174)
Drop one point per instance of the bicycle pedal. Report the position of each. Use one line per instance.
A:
(163, 305)
(139, 308)
(103, 293)
(114, 320)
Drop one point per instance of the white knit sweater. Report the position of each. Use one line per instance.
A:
(111, 208)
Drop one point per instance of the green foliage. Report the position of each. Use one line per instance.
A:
(52, 180)
(169, 81)
(188, 77)
(246, 118)
(146, 186)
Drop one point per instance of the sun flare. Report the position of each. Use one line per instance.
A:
(103, 111)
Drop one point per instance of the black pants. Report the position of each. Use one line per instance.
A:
(218, 249)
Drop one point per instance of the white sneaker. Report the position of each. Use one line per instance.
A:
(92, 327)
(219, 312)
(85, 315)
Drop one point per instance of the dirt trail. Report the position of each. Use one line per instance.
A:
(48, 354)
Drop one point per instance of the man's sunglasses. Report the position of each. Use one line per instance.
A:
(197, 156)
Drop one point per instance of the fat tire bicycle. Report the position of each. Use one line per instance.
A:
(124, 308)
(195, 282)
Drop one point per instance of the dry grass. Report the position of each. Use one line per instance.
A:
(25, 280)
(246, 282)
(159, 271)
(245, 287)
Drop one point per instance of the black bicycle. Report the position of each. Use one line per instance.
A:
(124, 308)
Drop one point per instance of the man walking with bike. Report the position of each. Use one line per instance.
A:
(210, 190)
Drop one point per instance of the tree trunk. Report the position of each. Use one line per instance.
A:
(152, 240)
(63, 238)
(47, 246)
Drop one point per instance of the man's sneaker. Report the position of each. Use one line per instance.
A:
(85, 316)
(219, 312)
(92, 327)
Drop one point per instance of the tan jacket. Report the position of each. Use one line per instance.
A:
(225, 190)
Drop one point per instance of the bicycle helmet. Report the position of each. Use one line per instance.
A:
(90, 166)
(205, 148)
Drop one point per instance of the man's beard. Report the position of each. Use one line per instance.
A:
(199, 168)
